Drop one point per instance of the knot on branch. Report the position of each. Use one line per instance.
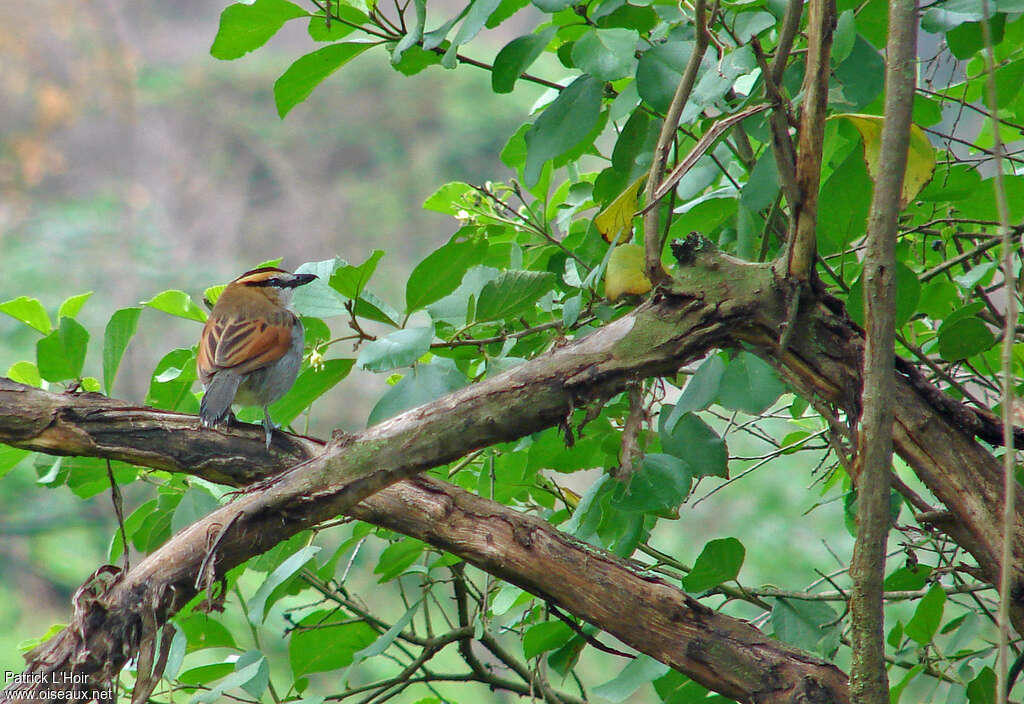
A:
(686, 250)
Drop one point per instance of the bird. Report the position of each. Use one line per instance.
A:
(250, 349)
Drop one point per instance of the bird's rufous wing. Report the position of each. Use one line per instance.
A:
(243, 345)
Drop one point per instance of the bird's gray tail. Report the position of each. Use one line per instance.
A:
(216, 403)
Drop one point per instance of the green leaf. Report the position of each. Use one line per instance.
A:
(927, 616)
(512, 293)
(61, 354)
(563, 125)
(119, 332)
(372, 308)
(244, 27)
(202, 631)
(322, 642)
(896, 691)
(696, 443)
(479, 11)
(204, 674)
(907, 579)
(29, 311)
(749, 384)
(642, 670)
(269, 592)
(177, 303)
(311, 385)
(397, 558)
(964, 337)
(442, 270)
(350, 280)
(517, 56)
(9, 458)
(544, 637)
(700, 391)
(848, 194)
(170, 384)
(719, 561)
(399, 349)
(319, 31)
(25, 373)
(71, 306)
(414, 35)
(659, 72)
(810, 625)
(317, 299)
(606, 54)
(422, 384)
(982, 689)
(196, 503)
(908, 293)
(306, 73)
(659, 486)
(551, 6)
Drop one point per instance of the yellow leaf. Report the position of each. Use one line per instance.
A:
(625, 272)
(618, 216)
(920, 155)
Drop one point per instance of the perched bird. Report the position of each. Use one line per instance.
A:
(251, 347)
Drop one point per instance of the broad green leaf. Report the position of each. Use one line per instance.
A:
(350, 280)
(25, 373)
(659, 72)
(860, 78)
(306, 73)
(908, 293)
(177, 303)
(479, 11)
(517, 56)
(423, 383)
(927, 616)
(442, 270)
(372, 308)
(696, 443)
(920, 153)
(29, 311)
(659, 486)
(238, 678)
(719, 561)
(625, 272)
(615, 222)
(964, 337)
(244, 27)
(61, 354)
(397, 558)
(896, 691)
(810, 625)
(202, 631)
(606, 54)
(323, 642)
(749, 384)
(563, 125)
(118, 333)
(260, 602)
(676, 688)
(170, 385)
(551, 6)
(512, 293)
(9, 458)
(848, 194)
(642, 670)
(449, 198)
(844, 37)
(907, 579)
(414, 34)
(71, 306)
(700, 391)
(398, 349)
(544, 637)
(205, 674)
(196, 503)
(317, 299)
(311, 385)
(319, 31)
(982, 689)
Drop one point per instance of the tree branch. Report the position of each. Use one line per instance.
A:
(868, 680)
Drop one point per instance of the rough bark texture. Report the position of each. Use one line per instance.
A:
(714, 301)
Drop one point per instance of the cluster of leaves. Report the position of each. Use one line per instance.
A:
(530, 265)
